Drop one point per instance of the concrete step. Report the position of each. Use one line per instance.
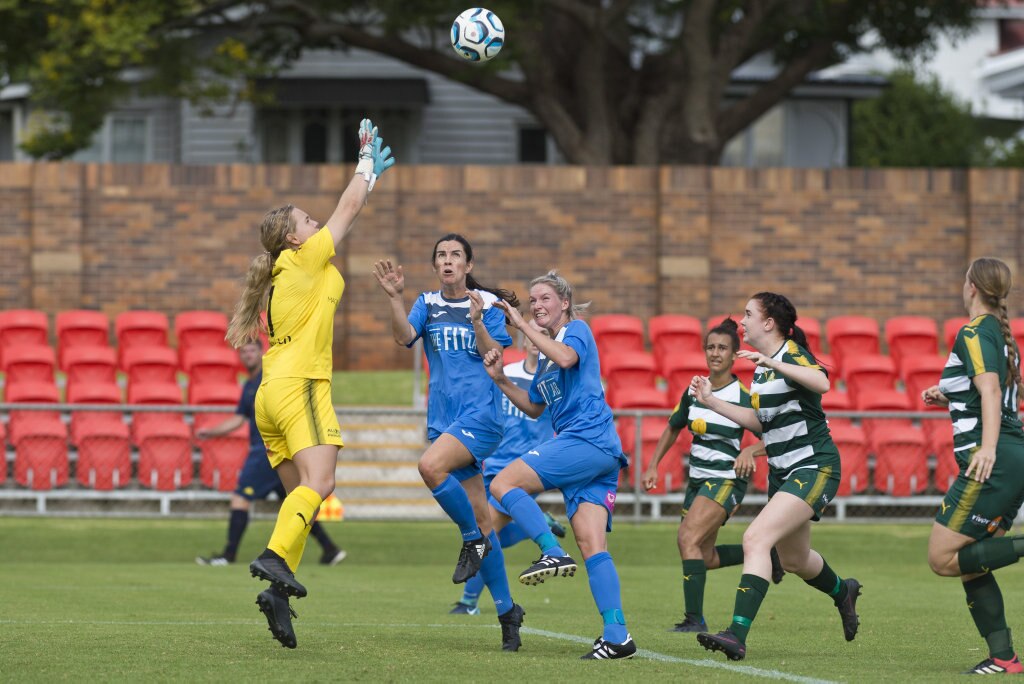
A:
(348, 490)
(386, 453)
(378, 472)
(376, 433)
(392, 509)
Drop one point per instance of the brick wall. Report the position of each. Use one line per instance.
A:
(638, 240)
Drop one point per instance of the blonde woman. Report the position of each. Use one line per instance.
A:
(294, 282)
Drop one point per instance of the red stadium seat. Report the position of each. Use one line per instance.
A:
(222, 457)
(165, 454)
(81, 328)
(901, 460)
(636, 398)
(40, 452)
(211, 365)
(150, 364)
(29, 363)
(868, 373)
(744, 370)
(940, 443)
(673, 334)
(950, 329)
(153, 393)
(1017, 328)
(93, 393)
(679, 370)
(89, 365)
(829, 365)
(670, 469)
(512, 355)
(884, 400)
(911, 336)
(834, 400)
(919, 373)
(23, 327)
(627, 369)
(617, 333)
(140, 329)
(759, 481)
(849, 335)
(853, 454)
(199, 329)
(104, 453)
(30, 393)
(812, 329)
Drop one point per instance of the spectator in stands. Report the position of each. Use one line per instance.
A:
(464, 421)
(583, 460)
(522, 433)
(981, 384)
(300, 288)
(256, 479)
(803, 465)
(718, 474)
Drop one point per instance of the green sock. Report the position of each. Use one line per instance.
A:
(829, 583)
(988, 554)
(695, 572)
(749, 595)
(985, 602)
(729, 554)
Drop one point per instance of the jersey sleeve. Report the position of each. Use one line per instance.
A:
(535, 395)
(579, 338)
(978, 350)
(494, 320)
(746, 402)
(798, 356)
(418, 318)
(680, 414)
(316, 251)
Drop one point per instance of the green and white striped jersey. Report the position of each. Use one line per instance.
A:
(979, 348)
(716, 439)
(794, 429)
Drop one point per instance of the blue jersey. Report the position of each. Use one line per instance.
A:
(574, 395)
(459, 385)
(522, 432)
(247, 407)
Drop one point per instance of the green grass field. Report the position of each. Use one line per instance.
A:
(101, 600)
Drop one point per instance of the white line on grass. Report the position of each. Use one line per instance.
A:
(641, 653)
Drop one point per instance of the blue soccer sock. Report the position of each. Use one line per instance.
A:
(472, 588)
(453, 499)
(527, 514)
(492, 570)
(511, 535)
(604, 585)
(236, 528)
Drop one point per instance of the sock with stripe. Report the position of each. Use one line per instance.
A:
(511, 535)
(990, 554)
(695, 573)
(729, 555)
(237, 523)
(829, 582)
(455, 502)
(492, 570)
(749, 594)
(985, 602)
(298, 510)
(604, 585)
(524, 510)
(472, 588)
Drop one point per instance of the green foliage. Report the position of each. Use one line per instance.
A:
(914, 123)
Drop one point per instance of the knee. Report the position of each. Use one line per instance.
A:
(689, 546)
(431, 473)
(943, 565)
(499, 488)
(753, 544)
(324, 486)
(590, 545)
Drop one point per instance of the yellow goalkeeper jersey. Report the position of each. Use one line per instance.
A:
(304, 294)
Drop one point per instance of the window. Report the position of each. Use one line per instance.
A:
(1011, 34)
(123, 138)
(760, 145)
(326, 136)
(6, 135)
(533, 145)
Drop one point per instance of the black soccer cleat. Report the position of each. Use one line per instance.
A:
(277, 572)
(848, 608)
(273, 604)
(470, 558)
(511, 621)
(996, 666)
(691, 623)
(332, 556)
(726, 642)
(777, 571)
(606, 650)
(557, 528)
(548, 566)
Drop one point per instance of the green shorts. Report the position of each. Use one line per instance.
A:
(726, 493)
(980, 509)
(816, 487)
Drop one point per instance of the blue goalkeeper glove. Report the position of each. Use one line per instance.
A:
(373, 160)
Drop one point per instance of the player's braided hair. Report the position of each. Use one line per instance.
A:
(471, 282)
(993, 279)
(246, 324)
(727, 327)
(778, 308)
(564, 291)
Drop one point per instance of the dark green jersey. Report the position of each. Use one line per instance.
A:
(793, 425)
(716, 439)
(979, 348)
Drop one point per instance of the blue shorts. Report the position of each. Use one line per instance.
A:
(257, 479)
(584, 473)
(481, 439)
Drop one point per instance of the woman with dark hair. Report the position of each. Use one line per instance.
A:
(803, 465)
(465, 422)
(717, 477)
(981, 384)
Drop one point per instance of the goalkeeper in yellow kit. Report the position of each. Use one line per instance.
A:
(294, 282)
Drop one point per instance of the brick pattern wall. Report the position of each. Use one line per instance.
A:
(636, 240)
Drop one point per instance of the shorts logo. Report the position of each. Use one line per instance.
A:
(711, 485)
(975, 518)
(533, 452)
(994, 525)
(468, 434)
(799, 483)
(609, 501)
(944, 507)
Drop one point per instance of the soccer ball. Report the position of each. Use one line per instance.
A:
(477, 34)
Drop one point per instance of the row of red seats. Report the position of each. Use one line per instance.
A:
(900, 453)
